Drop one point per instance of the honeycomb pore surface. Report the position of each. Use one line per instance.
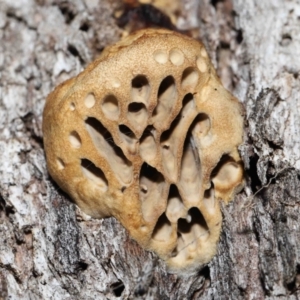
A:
(148, 134)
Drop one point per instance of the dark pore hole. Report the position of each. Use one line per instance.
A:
(189, 77)
(201, 125)
(173, 192)
(166, 134)
(161, 222)
(167, 96)
(139, 81)
(135, 107)
(196, 218)
(151, 173)
(149, 131)
(97, 125)
(187, 98)
(224, 160)
(165, 84)
(102, 131)
(208, 193)
(88, 165)
(126, 131)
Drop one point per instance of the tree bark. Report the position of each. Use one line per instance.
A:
(49, 249)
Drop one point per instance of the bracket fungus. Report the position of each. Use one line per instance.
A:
(148, 134)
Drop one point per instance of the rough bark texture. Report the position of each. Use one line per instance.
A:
(50, 250)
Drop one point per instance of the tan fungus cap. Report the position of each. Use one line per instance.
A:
(148, 134)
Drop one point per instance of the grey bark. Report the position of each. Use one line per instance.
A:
(50, 250)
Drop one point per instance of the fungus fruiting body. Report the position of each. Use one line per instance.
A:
(148, 134)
